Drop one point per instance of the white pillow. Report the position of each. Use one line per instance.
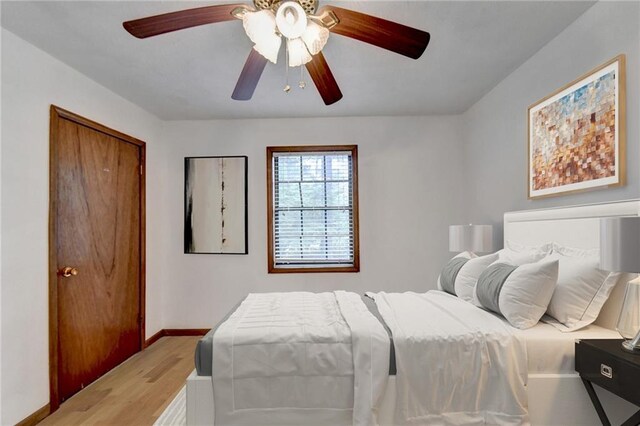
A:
(515, 246)
(464, 254)
(521, 294)
(518, 254)
(581, 291)
(467, 278)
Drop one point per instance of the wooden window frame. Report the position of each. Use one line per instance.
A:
(271, 266)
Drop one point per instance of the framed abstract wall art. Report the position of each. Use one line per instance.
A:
(215, 205)
(577, 134)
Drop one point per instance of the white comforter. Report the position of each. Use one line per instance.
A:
(299, 358)
(456, 364)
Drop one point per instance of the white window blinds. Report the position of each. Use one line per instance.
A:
(313, 209)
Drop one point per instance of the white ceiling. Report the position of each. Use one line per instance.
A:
(190, 74)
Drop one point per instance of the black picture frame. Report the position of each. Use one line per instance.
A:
(192, 182)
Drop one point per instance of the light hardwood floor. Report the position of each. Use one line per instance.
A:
(134, 393)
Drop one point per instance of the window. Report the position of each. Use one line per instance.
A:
(313, 209)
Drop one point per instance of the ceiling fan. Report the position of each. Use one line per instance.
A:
(304, 28)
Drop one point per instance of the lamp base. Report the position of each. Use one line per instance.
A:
(628, 346)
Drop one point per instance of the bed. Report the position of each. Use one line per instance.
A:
(554, 392)
(204, 347)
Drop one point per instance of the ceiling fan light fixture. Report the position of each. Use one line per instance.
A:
(261, 29)
(305, 29)
(259, 25)
(298, 53)
(315, 37)
(291, 19)
(269, 47)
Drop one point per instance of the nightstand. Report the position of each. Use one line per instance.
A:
(604, 363)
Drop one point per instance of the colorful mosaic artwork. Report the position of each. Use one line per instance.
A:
(573, 139)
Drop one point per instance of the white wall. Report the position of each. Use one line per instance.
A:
(410, 177)
(31, 82)
(496, 126)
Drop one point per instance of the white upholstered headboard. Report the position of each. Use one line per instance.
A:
(574, 226)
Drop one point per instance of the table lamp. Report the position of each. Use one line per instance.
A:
(620, 251)
(473, 238)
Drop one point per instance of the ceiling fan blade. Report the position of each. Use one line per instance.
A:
(165, 23)
(323, 78)
(388, 35)
(249, 76)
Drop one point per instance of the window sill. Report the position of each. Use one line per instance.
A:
(306, 270)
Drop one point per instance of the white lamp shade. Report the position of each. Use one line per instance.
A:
(315, 37)
(474, 238)
(291, 19)
(629, 321)
(620, 244)
(298, 53)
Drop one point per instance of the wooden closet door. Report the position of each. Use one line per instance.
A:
(98, 236)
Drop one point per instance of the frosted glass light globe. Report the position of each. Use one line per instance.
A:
(291, 19)
(298, 53)
(269, 47)
(261, 29)
(315, 37)
(259, 24)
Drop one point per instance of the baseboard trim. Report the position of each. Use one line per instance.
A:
(186, 331)
(175, 332)
(35, 417)
(151, 340)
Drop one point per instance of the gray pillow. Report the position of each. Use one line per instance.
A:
(521, 294)
(450, 272)
(490, 283)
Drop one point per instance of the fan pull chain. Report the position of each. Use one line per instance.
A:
(287, 88)
(302, 84)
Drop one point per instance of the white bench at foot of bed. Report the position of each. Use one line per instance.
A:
(554, 399)
(199, 400)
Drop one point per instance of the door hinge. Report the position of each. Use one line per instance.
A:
(140, 169)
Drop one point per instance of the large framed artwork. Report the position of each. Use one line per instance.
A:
(215, 205)
(577, 134)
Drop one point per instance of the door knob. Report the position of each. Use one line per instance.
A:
(68, 271)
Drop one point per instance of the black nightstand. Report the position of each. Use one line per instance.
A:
(604, 363)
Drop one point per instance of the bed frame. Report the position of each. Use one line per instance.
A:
(554, 399)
